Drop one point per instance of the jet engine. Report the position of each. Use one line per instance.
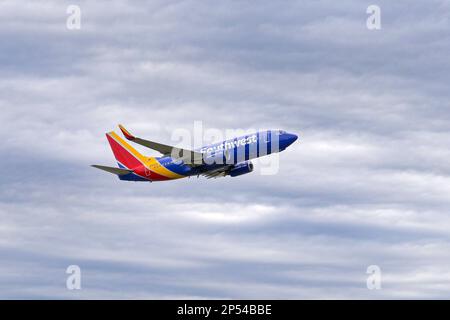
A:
(241, 168)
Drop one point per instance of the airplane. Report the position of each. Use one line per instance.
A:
(227, 158)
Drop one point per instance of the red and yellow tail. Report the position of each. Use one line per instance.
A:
(125, 154)
(148, 168)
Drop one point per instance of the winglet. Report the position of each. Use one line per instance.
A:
(127, 134)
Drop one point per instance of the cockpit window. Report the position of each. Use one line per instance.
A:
(280, 132)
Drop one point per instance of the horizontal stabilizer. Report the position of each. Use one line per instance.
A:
(117, 171)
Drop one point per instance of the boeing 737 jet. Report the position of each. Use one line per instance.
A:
(230, 157)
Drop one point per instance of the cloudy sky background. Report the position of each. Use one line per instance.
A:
(367, 184)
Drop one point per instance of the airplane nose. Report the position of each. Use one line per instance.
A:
(286, 139)
(291, 138)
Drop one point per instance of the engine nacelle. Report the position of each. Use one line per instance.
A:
(241, 168)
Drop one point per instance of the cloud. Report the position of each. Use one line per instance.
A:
(367, 182)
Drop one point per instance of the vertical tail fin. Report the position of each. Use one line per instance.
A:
(125, 154)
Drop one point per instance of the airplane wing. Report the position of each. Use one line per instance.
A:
(216, 173)
(188, 156)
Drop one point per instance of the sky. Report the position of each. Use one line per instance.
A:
(367, 183)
